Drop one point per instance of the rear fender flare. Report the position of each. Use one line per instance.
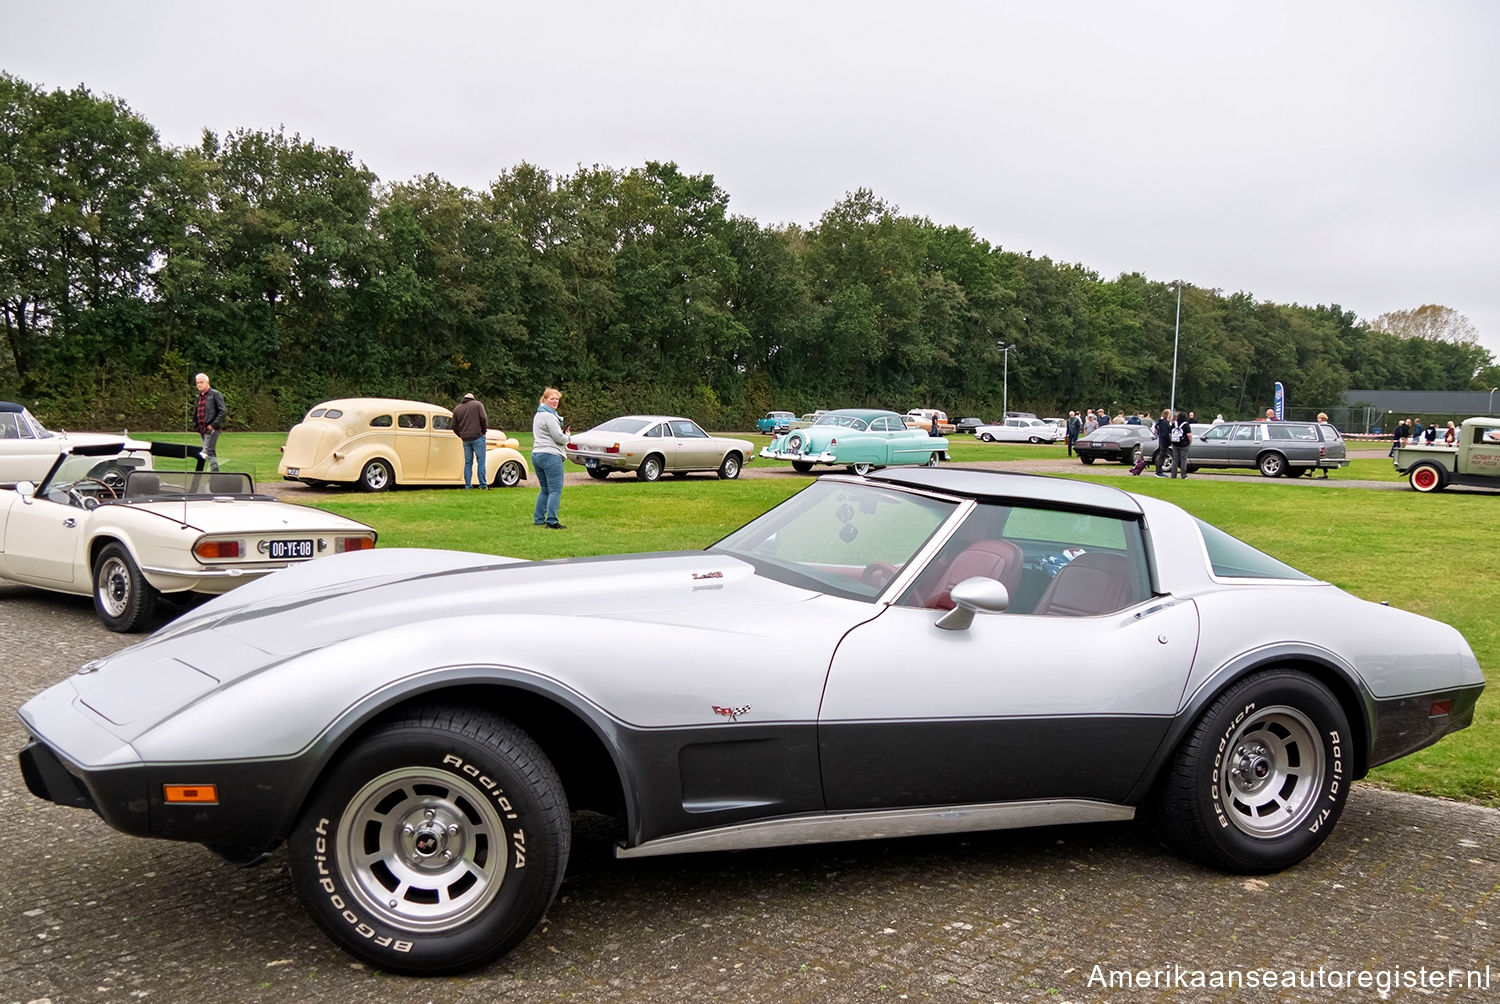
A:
(1318, 663)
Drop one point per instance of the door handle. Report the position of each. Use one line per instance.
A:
(70, 522)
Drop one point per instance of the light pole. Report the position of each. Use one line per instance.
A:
(1005, 383)
(1176, 333)
(1490, 408)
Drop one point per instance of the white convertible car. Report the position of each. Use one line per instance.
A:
(28, 448)
(104, 522)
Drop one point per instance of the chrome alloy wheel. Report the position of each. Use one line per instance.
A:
(1272, 771)
(423, 850)
(112, 584)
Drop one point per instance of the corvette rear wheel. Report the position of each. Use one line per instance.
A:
(123, 598)
(435, 844)
(1262, 776)
(1086, 458)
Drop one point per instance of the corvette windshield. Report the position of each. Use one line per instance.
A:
(841, 538)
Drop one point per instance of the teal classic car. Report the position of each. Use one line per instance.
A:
(861, 439)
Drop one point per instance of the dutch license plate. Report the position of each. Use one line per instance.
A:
(291, 549)
(590, 462)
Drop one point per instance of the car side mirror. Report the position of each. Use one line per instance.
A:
(26, 489)
(973, 595)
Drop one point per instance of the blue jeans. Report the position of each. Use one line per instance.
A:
(549, 474)
(474, 452)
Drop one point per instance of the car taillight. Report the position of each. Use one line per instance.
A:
(612, 449)
(342, 544)
(572, 446)
(832, 443)
(217, 549)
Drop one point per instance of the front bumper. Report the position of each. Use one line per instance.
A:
(808, 458)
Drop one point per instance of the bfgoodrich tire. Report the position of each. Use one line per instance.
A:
(435, 844)
(1261, 778)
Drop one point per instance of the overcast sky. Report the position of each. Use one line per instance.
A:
(1304, 152)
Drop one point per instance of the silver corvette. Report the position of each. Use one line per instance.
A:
(920, 651)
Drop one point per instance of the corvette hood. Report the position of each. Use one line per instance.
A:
(694, 588)
(375, 612)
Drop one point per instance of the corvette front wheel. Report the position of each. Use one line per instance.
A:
(1261, 777)
(435, 844)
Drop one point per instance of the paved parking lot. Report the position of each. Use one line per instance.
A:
(1404, 883)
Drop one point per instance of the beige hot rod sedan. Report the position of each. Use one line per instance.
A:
(378, 443)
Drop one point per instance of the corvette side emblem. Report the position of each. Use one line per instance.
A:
(708, 575)
(733, 714)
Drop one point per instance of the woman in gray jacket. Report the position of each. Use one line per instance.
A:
(548, 438)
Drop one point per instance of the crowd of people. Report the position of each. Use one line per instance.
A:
(1411, 432)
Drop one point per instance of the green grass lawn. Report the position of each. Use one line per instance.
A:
(1432, 554)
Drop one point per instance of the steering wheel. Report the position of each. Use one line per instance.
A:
(101, 483)
(88, 501)
(878, 574)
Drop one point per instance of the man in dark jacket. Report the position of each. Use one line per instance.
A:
(1075, 426)
(208, 419)
(1163, 430)
(470, 423)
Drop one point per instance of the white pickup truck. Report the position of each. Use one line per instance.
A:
(1474, 460)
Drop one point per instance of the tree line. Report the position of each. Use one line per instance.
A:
(292, 274)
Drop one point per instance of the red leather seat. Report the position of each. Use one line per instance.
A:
(995, 559)
(1095, 582)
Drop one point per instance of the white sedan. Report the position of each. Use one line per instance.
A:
(28, 448)
(104, 523)
(1018, 430)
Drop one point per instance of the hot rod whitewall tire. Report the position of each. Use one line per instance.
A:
(376, 476)
(1261, 778)
(1426, 478)
(434, 844)
(123, 599)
